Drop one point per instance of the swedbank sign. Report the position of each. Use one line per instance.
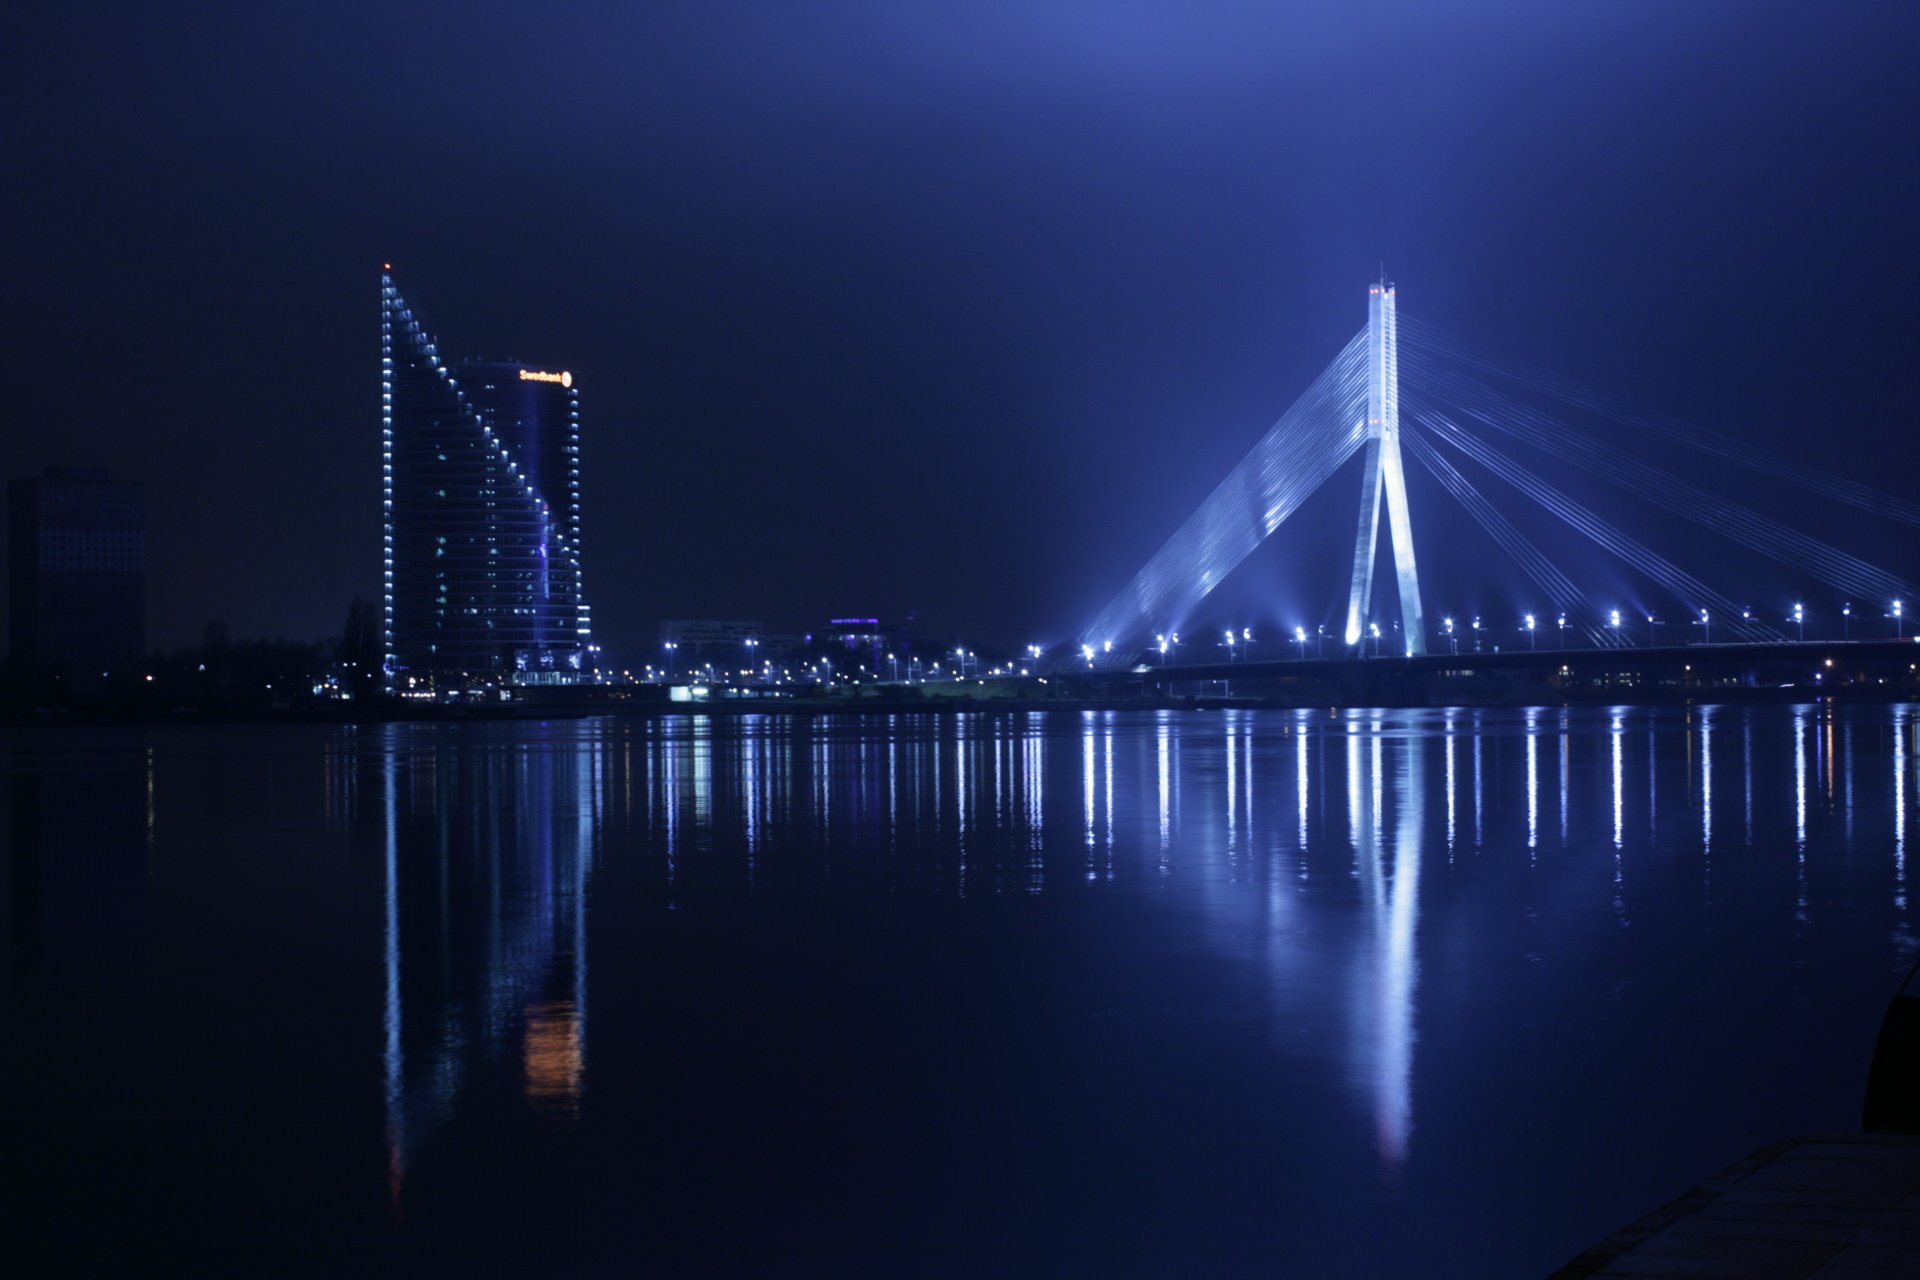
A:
(563, 378)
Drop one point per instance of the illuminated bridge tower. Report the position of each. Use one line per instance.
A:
(1383, 476)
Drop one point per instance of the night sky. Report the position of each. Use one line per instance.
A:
(958, 308)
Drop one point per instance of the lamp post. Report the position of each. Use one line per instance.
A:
(1897, 632)
(1476, 633)
(1563, 631)
(1613, 620)
(1706, 628)
(1246, 637)
(670, 646)
(1300, 638)
(1846, 621)
(1161, 643)
(1452, 639)
(1229, 645)
(1800, 620)
(1530, 644)
(894, 664)
(1375, 628)
(1320, 642)
(1652, 622)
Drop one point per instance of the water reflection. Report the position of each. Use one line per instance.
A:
(1180, 875)
(489, 852)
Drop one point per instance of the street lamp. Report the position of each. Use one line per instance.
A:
(1613, 620)
(1161, 641)
(670, 646)
(1563, 631)
(1846, 621)
(1320, 642)
(1300, 638)
(1706, 628)
(1800, 620)
(1452, 639)
(1375, 628)
(1246, 635)
(895, 664)
(1229, 645)
(1530, 643)
(1476, 633)
(1897, 634)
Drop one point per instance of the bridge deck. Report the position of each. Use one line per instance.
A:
(1834, 1206)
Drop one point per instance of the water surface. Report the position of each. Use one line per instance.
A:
(1318, 993)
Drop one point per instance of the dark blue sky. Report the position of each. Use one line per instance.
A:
(950, 307)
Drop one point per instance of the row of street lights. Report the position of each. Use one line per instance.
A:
(1240, 646)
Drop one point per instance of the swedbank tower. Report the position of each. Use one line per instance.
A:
(481, 468)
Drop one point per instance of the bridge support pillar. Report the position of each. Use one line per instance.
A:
(1382, 477)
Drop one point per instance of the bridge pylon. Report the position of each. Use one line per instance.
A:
(1383, 476)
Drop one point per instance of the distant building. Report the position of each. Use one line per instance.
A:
(865, 640)
(688, 644)
(482, 501)
(78, 590)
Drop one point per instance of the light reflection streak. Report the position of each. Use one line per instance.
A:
(1399, 970)
(1451, 736)
(962, 765)
(1035, 749)
(393, 1061)
(1109, 763)
(1706, 779)
(1827, 754)
(1617, 735)
(750, 787)
(1800, 780)
(1653, 776)
(1086, 788)
(1300, 771)
(1162, 753)
(1533, 781)
(1900, 723)
(1378, 777)
(1246, 746)
(1800, 812)
(1353, 785)
(1479, 736)
(999, 814)
(1746, 766)
(702, 781)
(1233, 785)
(1564, 746)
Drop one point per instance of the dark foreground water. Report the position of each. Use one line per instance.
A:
(1276, 993)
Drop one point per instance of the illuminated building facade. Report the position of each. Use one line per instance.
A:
(78, 587)
(481, 468)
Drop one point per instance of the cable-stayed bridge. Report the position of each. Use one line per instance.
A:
(1461, 413)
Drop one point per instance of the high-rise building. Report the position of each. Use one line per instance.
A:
(78, 589)
(482, 498)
